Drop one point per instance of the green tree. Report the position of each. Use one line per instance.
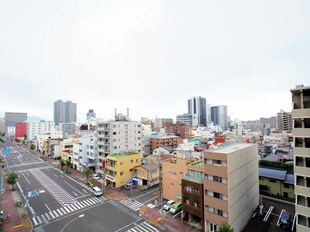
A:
(87, 173)
(17, 140)
(62, 163)
(224, 227)
(68, 164)
(12, 178)
(32, 147)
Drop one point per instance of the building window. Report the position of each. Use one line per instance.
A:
(137, 160)
(272, 180)
(286, 186)
(121, 163)
(217, 162)
(213, 227)
(131, 161)
(121, 173)
(217, 179)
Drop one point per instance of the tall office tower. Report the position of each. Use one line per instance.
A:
(284, 121)
(231, 185)
(11, 118)
(91, 115)
(64, 112)
(208, 114)
(219, 116)
(301, 135)
(119, 136)
(198, 106)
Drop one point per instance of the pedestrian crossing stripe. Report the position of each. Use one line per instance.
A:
(145, 227)
(25, 164)
(37, 220)
(32, 169)
(132, 204)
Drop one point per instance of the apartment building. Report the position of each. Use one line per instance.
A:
(192, 194)
(84, 153)
(284, 121)
(231, 185)
(172, 172)
(119, 168)
(180, 129)
(34, 129)
(114, 137)
(301, 138)
(171, 141)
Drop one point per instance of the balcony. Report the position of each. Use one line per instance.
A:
(103, 128)
(216, 187)
(216, 203)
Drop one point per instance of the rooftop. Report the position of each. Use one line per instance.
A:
(199, 163)
(229, 148)
(123, 154)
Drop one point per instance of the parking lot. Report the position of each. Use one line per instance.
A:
(269, 221)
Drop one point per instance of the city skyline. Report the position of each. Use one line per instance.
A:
(152, 56)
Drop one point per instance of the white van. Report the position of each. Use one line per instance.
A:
(97, 191)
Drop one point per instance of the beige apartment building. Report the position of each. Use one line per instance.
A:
(231, 185)
(301, 136)
(173, 171)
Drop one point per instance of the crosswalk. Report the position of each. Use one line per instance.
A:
(132, 204)
(33, 169)
(143, 227)
(62, 196)
(25, 164)
(45, 217)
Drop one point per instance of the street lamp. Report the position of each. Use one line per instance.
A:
(80, 216)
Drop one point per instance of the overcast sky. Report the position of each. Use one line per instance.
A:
(152, 56)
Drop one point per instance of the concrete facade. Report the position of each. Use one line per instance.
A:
(301, 141)
(231, 185)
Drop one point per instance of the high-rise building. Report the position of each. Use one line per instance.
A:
(2, 125)
(64, 112)
(301, 138)
(198, 106)
(91, 115)
(119, 136)
(11, 118)
(284, 121)
(219, 116)
(231, 185)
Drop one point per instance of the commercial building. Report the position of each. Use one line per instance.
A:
(91, 115)
(219, 116)
(162, 123)
(11, 118)
(20, 131)
(284, 121)
(119, 168)
(301, 138)
(64, 112)
(231, 185)
(198, 106)
(171, 141)
(68, 128)
(34, 129)
(189, 119)
(119, 136)
(2, 125)
(180, 129)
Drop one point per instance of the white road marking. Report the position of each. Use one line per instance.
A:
(26, 178)
(47, 207)
(177, 214)
(278, 223)
(268, 213)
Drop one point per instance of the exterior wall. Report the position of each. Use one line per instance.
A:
(237, 193)
(300, 115)
(11, 118)
(276, 188)
(120, 172)
(172, 172)
(34, 129)
(168, 141)
(20, 130)
(115, 137)
(152, 177)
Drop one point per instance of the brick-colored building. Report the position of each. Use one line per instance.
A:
(171, 141)
(180, 129)
(192, 194)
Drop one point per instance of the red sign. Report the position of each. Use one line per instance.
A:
(103, 163)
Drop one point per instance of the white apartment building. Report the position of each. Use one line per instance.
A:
(85, 153)
(203, 132)
(115, 137)
(34, 129)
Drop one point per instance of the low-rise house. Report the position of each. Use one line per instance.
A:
(276, 183)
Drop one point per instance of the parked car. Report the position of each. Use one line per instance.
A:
(168, 204)
(286, 220)
(175, 208)
(96, 176)
(97, 191)
(260, 210)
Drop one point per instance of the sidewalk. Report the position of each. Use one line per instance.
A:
(17, 220)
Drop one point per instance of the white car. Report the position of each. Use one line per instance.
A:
(168, 204)
(96, 176)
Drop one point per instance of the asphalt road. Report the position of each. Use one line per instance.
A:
(55, 200)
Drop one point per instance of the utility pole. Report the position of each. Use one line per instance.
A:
(131, 187)
(160, 190)
(103, 176)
